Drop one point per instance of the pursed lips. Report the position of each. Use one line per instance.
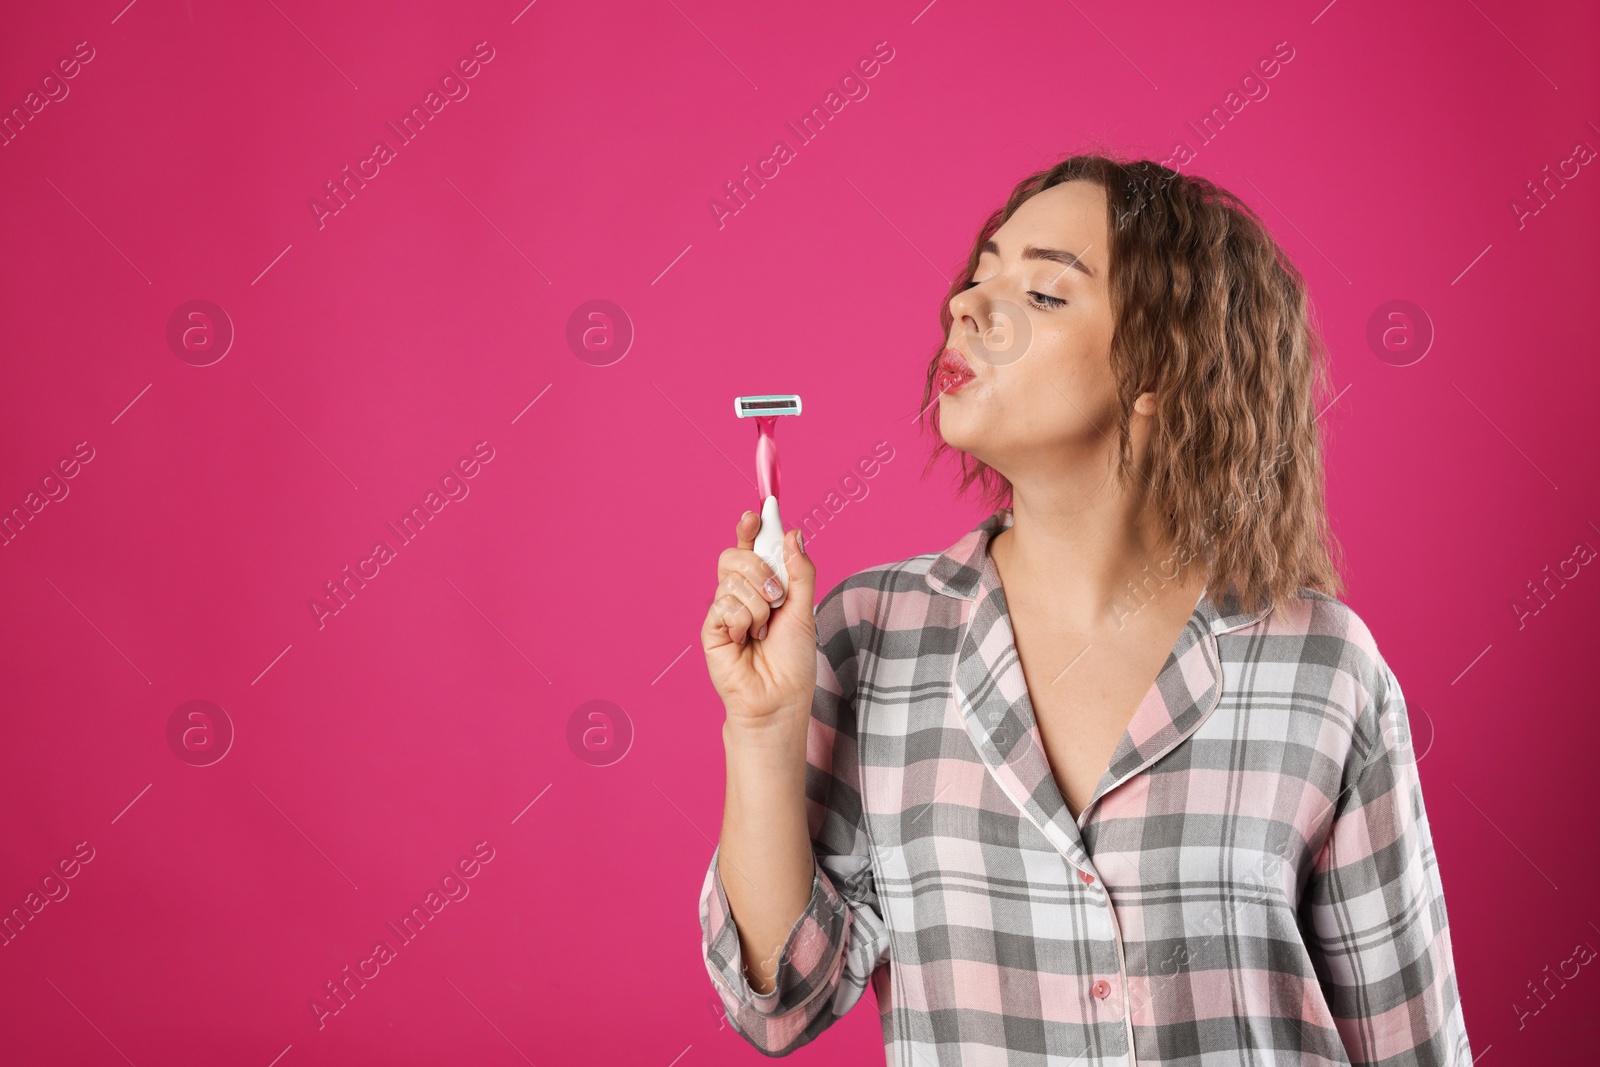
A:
(954, 371)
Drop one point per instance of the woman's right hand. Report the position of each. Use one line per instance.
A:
(771, 677)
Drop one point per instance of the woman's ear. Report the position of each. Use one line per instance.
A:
(1145, 404)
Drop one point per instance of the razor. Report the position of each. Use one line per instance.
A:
(769, 542)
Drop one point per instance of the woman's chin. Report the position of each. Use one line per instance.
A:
(960, 407)
(956, 432)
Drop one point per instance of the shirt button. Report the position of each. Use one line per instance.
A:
(1101, 989)
(1088, 879)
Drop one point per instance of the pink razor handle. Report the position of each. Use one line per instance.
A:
(769, 546)
(769, 541)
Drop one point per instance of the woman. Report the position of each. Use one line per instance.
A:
(1115, 778)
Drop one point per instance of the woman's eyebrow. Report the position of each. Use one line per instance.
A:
(1054, 255)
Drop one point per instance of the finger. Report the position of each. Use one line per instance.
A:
(732, 617)
(744, 561)
(802, 572)
(754, 600)
(749, 526)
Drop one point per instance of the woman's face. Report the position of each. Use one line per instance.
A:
(1035, 326)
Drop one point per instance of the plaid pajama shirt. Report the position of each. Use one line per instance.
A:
(1253, 882)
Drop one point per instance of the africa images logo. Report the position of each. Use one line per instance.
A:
(455, 89)
(453, 888)
(453, 486)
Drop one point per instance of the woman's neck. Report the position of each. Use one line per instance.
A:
(1093, 561)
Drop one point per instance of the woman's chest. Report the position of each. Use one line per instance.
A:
(1085, 688)
(1234, 805)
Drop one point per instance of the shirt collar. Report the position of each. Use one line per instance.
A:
(992, 691)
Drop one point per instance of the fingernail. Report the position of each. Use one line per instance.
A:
(800, 542)
(761, 633)
(772, 589)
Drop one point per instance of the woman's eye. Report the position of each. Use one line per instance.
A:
(1042, 301)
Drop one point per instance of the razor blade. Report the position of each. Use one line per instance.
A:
(773, 404)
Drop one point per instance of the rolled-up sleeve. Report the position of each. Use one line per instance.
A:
(840, 938)
(1379, 933)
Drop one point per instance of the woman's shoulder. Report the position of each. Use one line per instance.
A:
(855, 617)
(869, 586)
(895, 595)
(917, 591)
(1322, 618)
(1320, 631)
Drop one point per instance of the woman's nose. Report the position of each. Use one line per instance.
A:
(968, 310)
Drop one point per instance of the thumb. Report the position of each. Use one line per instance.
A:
(802, 572)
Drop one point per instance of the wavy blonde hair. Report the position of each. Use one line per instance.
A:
(1212, 317)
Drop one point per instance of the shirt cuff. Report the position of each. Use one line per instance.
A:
(812, 952)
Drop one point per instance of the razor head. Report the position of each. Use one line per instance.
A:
(771, 404)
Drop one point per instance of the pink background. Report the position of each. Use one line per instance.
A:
(375, 351)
